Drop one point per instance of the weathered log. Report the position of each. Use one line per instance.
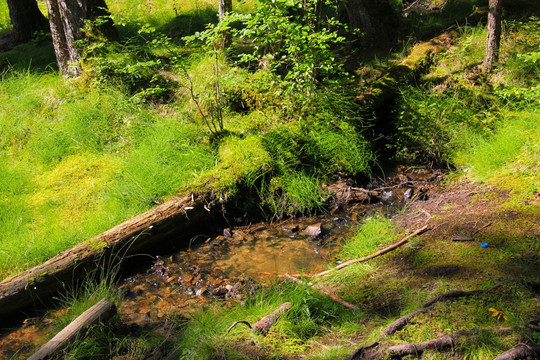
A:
(323, 290)
(365, 352)
(378, 253)
(101, 311)
(264, 324)
(521, 351)
(175, 218)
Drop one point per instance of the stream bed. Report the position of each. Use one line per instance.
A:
(220, 268)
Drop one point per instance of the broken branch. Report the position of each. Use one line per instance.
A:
(378, 253)
(101, 311)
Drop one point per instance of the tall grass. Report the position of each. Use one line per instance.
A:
(89, 158)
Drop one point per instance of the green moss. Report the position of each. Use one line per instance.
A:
(240, 161)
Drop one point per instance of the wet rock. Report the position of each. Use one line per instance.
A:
(220, 291)
(408, 193)
(312, 230)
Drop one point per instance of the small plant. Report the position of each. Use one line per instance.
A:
(498, 314)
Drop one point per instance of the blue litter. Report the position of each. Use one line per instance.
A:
(484, 245)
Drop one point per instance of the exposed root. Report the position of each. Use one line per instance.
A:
(521, 351)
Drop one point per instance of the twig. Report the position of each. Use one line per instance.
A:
(482, 228)
(324, 291)
(378, 253)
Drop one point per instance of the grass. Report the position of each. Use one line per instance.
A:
(78, 159)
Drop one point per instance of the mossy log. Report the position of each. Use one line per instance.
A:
(382, 89)
(172, 220)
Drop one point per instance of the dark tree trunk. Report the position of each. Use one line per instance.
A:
(67, 20)
(494, 34)
(376, 19)
(26, 18)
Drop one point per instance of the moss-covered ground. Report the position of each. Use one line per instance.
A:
(79, 156)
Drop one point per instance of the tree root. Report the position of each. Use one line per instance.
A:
(428, 305)
(264, 324)
(521, 351)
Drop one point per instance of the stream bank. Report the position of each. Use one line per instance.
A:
(227, 266)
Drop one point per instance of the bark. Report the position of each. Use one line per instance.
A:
(443, 342)
(101, 311)
(494, 35)
(26, 19)
(67, 19)
(374, 18)
(521, 351)
(225, 6)
(176, 219)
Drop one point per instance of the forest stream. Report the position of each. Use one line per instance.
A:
(229, 266)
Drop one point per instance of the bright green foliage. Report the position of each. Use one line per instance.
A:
(295, 39)
(376, 232)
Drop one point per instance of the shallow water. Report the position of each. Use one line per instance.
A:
(224, 267)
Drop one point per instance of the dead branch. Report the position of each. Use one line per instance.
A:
(99, 312)
(482, 228)
(263, 325)
(459, 238)
(521, 351)
(378, 253)
(324, 291)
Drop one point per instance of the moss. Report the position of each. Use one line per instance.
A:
(240, 160)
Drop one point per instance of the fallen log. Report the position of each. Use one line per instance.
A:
(378, 253)
(264, 324)
(324, 291)
(31, 288)
(521, 351)
(101, 311)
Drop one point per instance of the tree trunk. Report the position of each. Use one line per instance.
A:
(67, 19)
(494, 34)
(26, 19)
(225, 6)
(374, 18)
